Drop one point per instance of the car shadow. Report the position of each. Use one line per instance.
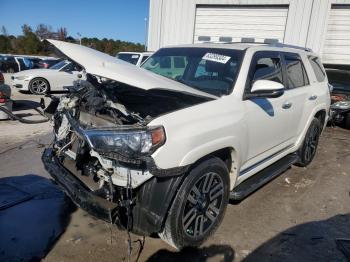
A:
(19, 105)
(34, 213)
(313, 241)
(223, 253)
(324, 240)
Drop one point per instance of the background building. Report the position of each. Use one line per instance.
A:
(322, 25)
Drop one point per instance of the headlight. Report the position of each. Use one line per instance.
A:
(341, 105)
(127, 142)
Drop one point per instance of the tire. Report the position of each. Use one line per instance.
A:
(199, 205)
(308, 149)
(347, 121)
(39, 86)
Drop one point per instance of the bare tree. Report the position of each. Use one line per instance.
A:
(44, 31)
(4, 31)
(62, 33)
(26, 29)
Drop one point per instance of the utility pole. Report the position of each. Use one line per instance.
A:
(146, 33)
(79, 37)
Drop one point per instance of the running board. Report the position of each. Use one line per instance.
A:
(264, 176)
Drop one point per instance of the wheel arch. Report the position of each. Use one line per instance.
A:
(229, 156)
(321, 116)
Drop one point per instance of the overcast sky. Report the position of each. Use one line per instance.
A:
(116, 19)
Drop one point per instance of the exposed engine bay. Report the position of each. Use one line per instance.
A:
(102, 137)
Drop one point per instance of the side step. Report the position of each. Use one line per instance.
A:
(264, 176)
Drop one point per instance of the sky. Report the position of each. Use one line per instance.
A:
(116, 19)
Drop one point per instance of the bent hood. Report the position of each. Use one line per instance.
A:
(101, 64)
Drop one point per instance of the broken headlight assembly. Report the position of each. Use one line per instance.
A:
(127, 142)
(342, 105)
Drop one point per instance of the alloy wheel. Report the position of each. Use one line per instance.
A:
(311, 143)
(203, 205)
(39, 86)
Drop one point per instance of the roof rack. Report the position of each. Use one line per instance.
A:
(273, 42)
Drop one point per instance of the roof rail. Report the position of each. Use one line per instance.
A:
(273, 42)
(291, 46)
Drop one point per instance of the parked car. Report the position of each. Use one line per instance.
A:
(47, 63)
(35, 62)
(42, 81)
(163, 153)
(2, 79)
(12, 64)
(340, 96)
(135, 58)
(5, 98)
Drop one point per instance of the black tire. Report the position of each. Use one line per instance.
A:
(308, 149)
(199, 205)
(347, 121)
(39, 86)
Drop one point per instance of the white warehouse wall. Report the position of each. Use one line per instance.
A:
(171, 22)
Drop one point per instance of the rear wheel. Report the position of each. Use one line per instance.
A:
(199, 205)
(39, 86)
(308, 149)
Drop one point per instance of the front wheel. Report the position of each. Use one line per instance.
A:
(39, 86)
(199, 205)
(308, 149)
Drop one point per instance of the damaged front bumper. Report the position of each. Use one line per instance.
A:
(150, 204)
(75, 189)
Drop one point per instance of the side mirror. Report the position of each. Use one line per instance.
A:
(266, 88)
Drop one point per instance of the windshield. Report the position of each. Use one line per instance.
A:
(59, 65)
(130, 58)
(210, 70)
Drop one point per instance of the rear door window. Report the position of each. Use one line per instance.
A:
(318, 68)
(296, 73)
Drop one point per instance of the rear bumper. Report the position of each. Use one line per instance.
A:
(74, 188)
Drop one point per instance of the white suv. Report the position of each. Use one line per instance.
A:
(165, 154)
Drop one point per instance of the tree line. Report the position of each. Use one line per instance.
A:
(30, 42)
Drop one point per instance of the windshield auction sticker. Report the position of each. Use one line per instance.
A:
(216, 58)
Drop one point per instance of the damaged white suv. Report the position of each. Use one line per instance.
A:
(162, 149)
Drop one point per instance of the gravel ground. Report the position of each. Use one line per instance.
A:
(296, 217)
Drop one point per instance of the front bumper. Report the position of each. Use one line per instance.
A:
(22, 85)
(74, 188)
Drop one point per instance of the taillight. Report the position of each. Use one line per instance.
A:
(2, 79)
(3, 98)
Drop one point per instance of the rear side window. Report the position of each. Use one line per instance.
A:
(318, 68)
(165, 62)
(296, 73)
(179, 62)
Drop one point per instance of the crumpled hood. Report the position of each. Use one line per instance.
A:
(101, 64)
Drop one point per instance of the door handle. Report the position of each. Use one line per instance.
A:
(313, 97)
(287, 105)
